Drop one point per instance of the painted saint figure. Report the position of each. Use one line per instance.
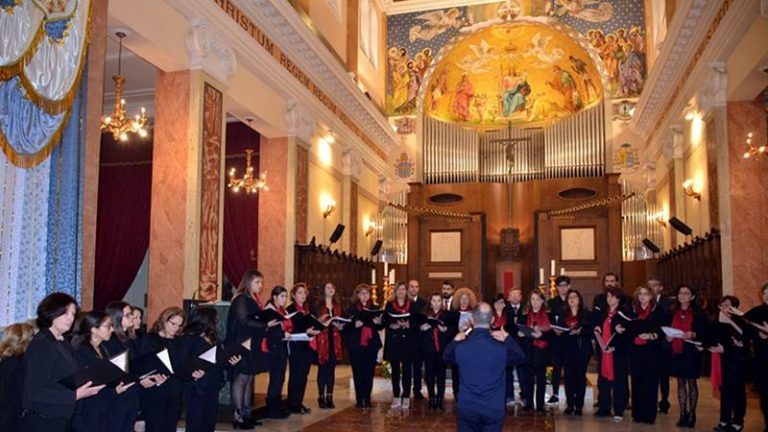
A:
(515, 89)
(464, 94)
(580, 67)
(565, 84)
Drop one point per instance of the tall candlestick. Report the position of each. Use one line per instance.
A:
(552, 267)
(541, 275)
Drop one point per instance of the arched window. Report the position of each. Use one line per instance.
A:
(369, 31)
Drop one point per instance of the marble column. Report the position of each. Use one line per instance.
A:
(748, 203)
(676, 178)
(351, 170)
(97, 54)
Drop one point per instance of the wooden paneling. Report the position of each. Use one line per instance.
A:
(317, 265)
(521, 205)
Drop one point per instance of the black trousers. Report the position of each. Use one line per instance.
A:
(299, 363)
(645, 379)
(125, 410)
(455, 381)
(363, 369)
(401, 373)
(536, 377)
(202, 407)
(663, 363)
(161, 408)
(417, 364)
(277, 361)
(575, 364)
(761, 381)
(326, 375)
(32, 422)
(733, 393)
(556, 352)
(435, 374)
(613, 394)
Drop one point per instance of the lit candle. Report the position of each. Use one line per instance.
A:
(373, 276)
(392, 277)
(552, 268)
(541, 275)
(562, 271)
(386, 268)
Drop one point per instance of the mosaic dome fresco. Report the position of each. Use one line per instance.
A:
(528, 74)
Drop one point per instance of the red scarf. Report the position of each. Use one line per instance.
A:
(499, 321)
(572, 321)
(716, 372)
(321, 342)
(540, 319)
(682, 320)
(304, 309)
(258, 301)
(406, 308)
(435, 330)
(366, 333)
(287, 326)
(641, 315)
(606, 363)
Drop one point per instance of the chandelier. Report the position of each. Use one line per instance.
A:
(247, 182)
(118, 123)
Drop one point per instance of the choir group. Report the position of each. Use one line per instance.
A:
(641, 339)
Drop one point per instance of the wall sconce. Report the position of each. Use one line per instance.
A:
(660, 220)
(369, 227)
(328, 205)
(690, 190)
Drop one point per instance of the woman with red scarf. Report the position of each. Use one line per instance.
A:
(499, 320)
(576, 350)
(300, 355)
(276, 351)
(645, 352)
(400, 345)
(242, 325)
(363, 343)
(537, 350)
(686, 357)
(328, 346)
(613, 362)
(434, 339)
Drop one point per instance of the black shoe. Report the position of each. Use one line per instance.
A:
(321, 402)
(721, 427)
(683, 421)
(300, 410)
(439, 402)
(553, 400)
(241, 425)
(278, 413)
(329, 401)
(359, 404)
(568, 411)
(578, 412)
(664, 407)
(417, 395)
(691, 420)
(366, 404)
(737, 428)
(599, 413)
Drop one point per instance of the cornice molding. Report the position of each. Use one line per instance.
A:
(706, 35)
(392, 7)
(281, 22)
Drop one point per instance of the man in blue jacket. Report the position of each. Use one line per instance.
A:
(482, 359)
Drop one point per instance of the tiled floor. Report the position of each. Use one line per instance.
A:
(347, 418)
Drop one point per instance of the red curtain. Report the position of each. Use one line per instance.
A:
(122, 221)
(241, 211)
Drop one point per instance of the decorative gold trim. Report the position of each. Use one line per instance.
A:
(50, 106)
(31, 160)
(604, 202)
(12, 69)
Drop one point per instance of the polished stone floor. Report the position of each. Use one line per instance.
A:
(347, 418)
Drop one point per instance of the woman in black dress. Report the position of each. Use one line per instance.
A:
(613, 362)
(161, 405)
(274, 346)
(16, 339)
(201, 396)
(729, 340)
(536, 350)
(242, 325)
(686, 357)
(363, 342)
(645, 351)
(576, 350)
(399, 345)
(300, 355)
(48, 405)
(434, 339)
(759, 316)
(94, 329)
(328, 345)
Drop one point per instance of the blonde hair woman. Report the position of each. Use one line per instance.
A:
(464, 299)
(16, 339)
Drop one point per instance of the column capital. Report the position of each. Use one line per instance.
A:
(674, 146)
(299, 122)
(209, 52)
(714, 92)
(352, 164)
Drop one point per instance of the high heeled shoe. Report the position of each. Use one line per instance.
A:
(683, 420)
(321, 402)
(329, 401)
(691, 420)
